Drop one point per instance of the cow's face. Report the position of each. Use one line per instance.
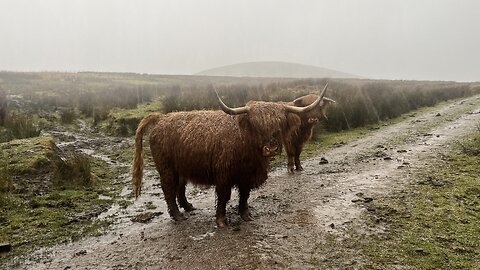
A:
(265, 121)
(272, 148)
(318, 113)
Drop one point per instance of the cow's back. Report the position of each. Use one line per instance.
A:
(196, 144)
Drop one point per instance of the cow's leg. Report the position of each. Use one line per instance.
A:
(298, 166)
(290, 164)
(223, 196)
(169, 182)
(291, 156)
(182, 199)
(243, 204)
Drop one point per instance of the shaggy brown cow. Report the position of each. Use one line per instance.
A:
(295, 139)
(229, 148)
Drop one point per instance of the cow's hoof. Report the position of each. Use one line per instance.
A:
(178, 216)
(299, 168)
(246, 216)
(189, 207)
(290, 171)
(221, 222)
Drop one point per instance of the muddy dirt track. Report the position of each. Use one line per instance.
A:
(302, 221)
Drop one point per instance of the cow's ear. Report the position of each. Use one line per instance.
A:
(293, 120)
(299, 102)
(328, 100)
(243, 121)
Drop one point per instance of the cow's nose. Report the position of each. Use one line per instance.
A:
(313, 120)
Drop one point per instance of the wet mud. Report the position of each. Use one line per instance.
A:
(302, 221)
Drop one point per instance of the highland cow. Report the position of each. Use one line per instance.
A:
(229, 148)
(305, 121)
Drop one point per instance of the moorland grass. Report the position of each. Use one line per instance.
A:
(45, 200)
(433, 224)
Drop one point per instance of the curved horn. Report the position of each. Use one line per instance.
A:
(228, 110)
(329, 100)
(295, 109)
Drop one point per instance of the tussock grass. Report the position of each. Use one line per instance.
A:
(20, 126)
(471, 145)
(124, 122)
(30, 156)
(36, 166)
(45, 200)
(67, 116)
(6, 183)
(76, 170)
(359, 102)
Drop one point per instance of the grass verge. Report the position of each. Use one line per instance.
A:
(323, 139)
(434, 223)
(123, 122)
(45, 200)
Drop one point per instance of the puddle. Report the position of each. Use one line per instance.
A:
(202, 236)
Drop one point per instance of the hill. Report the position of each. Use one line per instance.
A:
(276, 70)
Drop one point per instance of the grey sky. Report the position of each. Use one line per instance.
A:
(404, 39)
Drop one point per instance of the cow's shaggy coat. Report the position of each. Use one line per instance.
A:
(294, 139)
(212, 148)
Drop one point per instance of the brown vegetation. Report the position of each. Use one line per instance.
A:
(3, 106)
(73, 171)
(19, 126)
(94, 95)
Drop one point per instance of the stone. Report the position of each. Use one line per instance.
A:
(5, 247)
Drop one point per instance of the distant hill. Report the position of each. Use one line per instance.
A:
(275, 69)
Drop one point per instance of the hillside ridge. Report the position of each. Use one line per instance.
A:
(275, 69)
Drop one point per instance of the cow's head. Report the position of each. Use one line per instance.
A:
(313, 116)
(265, 121)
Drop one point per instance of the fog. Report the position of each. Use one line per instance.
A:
(423, 40)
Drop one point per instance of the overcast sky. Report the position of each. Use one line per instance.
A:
(404, 39)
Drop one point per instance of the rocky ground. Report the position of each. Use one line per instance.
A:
(311, 220)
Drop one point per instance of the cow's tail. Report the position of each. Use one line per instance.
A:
(137, 167)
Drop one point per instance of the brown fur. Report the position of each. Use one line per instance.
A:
(212, 148)
(294, 139)
(137, 169)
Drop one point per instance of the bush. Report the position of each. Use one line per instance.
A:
(189, 99)
(99, 114)
(20, 126)
(5, 181)
(5, 178)
(471, 146)
(74, 171)
(67, 116)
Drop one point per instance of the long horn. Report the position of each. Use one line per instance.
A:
(329, 100)
(231, 111)
(295, 109)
